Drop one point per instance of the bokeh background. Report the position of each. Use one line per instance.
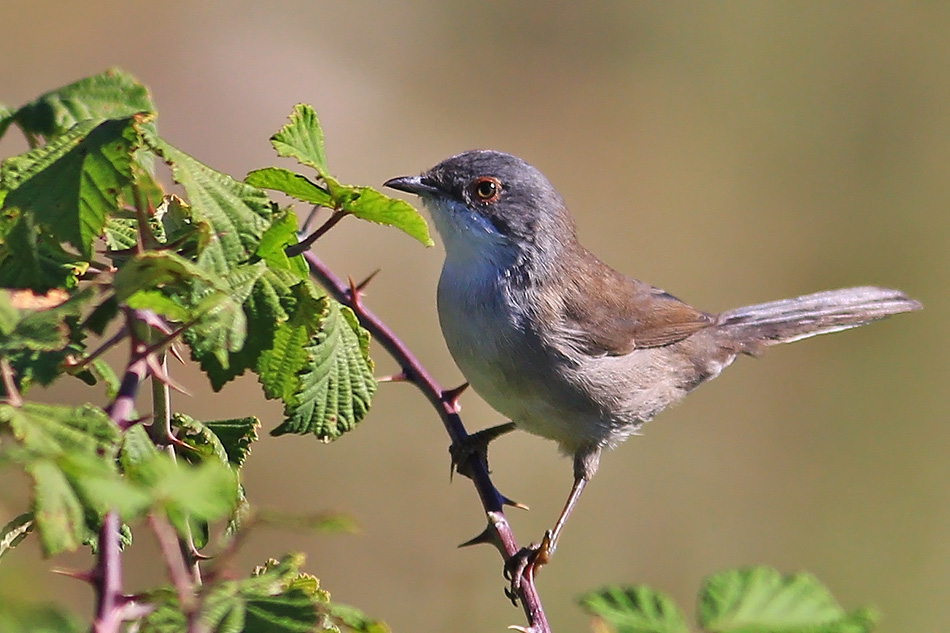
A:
(728, 152)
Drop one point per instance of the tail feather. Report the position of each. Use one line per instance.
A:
(764, 324)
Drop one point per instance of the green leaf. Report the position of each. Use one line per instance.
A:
(237, 214)
(16, 617)
(15, 531)
(110, 95)
(355, 620)
(368, 204)
(72, 184)
(302, 139)
(6, 118)
(31, 321)
(637, 609)
(336, 382)
(158, 270)
(59, 515)
(293, 184)
(273, 247)
(761, 600)
(69, 453)
(31, 258)
(280, 366)
(206, 492)
(236, 436)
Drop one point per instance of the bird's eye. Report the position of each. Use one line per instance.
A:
(486, 189)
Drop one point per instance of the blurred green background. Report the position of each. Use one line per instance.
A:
(728, 152)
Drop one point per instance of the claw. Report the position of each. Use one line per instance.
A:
(526, 563)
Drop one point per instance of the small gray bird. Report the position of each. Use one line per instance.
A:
(565, 346)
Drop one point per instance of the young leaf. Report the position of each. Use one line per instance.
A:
(294, 185)
(110, 95)
(72, 184)
(368, 204)
(336, 382)
(302, 139)
(273, 247)
(760, 599)
(637, 609)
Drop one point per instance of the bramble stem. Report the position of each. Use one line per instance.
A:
(444, 402)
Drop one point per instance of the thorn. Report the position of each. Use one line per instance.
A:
(361, 286)
(487, 536)
(173, 349)
(511, 502)
(522, 629)
(356, 304)
(85, 576)
(451, 396)
(159, 373)
(138, 420)
(400, 377)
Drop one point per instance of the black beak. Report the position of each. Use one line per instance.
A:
(419, 185)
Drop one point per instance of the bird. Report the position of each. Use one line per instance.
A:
(568, 348)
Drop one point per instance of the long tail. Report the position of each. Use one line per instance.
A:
(758, 326)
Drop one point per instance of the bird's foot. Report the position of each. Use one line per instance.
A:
(475, 446)
(526, 563)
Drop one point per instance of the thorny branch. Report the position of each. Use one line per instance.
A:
(499, 531)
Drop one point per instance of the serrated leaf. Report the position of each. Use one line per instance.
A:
(237, 213)
(295, 185)
(15, 531)
(761, 600)
(637, 609)
(336, 383)
(49, 430)
(72, 184)
(368, 204)
(236, 436)
(280, 366)
(302, 139)
(110, 95)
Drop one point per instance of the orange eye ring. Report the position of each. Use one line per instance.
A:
(486, 189)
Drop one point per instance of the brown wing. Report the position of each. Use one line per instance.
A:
(604, 312)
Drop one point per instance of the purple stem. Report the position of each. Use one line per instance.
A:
(445, 405)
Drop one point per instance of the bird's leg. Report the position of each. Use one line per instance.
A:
(527, 561)
(476, 445)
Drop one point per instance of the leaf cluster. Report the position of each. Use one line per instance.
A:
(95, 250)
(749, 600)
